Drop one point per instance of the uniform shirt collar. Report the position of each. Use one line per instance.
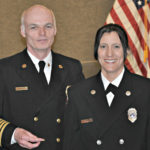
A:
(115, 82)
(47, 60)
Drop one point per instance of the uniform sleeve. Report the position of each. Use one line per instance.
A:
(6, 128)
(6, 131)
(3, 125)
(72, 126)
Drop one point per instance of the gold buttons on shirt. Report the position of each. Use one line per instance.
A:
(58, 120)
(36, 119)
(58, 140)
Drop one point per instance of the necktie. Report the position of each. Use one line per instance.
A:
(41, 73)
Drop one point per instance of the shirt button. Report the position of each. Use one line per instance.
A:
(99, 142)
(58, 120)
(58, 140)
(121, 141)
(36, 119)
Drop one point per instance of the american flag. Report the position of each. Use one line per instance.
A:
(134, 17)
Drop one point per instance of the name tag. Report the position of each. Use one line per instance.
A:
(86, 120)
(23, 88)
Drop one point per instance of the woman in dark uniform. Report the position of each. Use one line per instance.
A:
(111, 110)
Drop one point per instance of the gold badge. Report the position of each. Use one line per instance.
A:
(132, 115)
(24, 66)
(128, 93)
(60, 66)
(93, 92)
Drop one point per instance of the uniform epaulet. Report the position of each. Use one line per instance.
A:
(66, 92)
(3, 125)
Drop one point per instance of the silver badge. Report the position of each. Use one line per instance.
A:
(132, 114)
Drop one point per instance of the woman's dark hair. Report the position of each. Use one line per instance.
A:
(111, 28)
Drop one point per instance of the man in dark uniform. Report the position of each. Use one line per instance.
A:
(32, 87)
(109, 111)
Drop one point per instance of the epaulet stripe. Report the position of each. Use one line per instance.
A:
(1, 120)
(3, 125)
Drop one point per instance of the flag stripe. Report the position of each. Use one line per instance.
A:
(129, 66)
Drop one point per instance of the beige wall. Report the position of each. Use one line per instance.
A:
(77, 23)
